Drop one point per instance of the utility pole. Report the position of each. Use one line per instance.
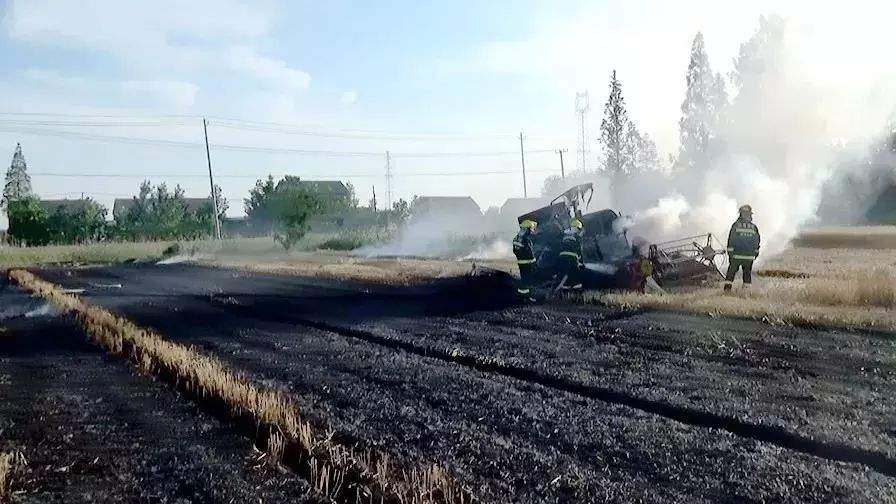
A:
(211, 180)
(562, 171)
(388, 180)
(374, 199)
(523, 162)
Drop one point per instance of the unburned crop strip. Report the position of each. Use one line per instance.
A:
(8, 463)
(341, 473)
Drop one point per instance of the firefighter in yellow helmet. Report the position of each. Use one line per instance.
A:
(571, 255)
(525, 258)
(743, 247)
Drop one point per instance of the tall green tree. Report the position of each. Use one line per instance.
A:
(18, 183)
(615, 132)
(702, 110)
(283, 208)
(27, 222)
(160, 214)
(82, 224)
(222, 204)
(293, 206)
(259, 205)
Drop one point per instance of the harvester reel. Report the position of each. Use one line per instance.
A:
(690, 260)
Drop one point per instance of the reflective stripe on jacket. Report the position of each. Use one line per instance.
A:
(571, 245)
(522, 247)
(743, 240)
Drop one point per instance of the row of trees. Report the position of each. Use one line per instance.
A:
(155, 214)
(627, 152)
(32, 224)
(281, 209)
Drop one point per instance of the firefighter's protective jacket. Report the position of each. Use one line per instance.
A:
(522, 247)
(743, 241)
(571, 245)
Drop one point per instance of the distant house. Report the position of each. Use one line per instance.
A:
(123, 205)
(329, 189)
(453, 207)
(64, 205)
(514, 207)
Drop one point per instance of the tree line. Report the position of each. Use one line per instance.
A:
(281, 209)
(627, 152)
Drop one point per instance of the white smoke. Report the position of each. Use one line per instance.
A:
(446, 236)
(782, 139)
(785, 133)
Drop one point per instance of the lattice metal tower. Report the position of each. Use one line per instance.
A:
(583, 105)
(388, 181)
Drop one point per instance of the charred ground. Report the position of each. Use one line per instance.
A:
(544, 404)
(91, 430)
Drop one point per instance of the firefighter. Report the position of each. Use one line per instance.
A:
(743, 247)
(571, 256)
(525, 258)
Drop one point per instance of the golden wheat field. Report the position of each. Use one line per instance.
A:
(840, 277)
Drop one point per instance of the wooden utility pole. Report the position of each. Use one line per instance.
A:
(211, 180)
(562, 171)
(523, 162)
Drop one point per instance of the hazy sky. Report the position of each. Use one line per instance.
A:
(408, 77)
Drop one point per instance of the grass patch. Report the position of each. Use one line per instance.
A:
(118, 252)
(8, 462)
(856, 237)
(109, 252)
(341, 473)
(851, 288)
(778, 273)
(866, 301)
(383, 271)
(354, 239)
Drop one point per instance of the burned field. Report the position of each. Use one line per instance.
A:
(88, 429)
(555, 403)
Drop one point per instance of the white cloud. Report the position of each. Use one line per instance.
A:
(104, 24)
(349, 98)
(165, 41)
(275, 72)
(175, 93)
(53, 78)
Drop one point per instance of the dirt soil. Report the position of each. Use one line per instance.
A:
(544, 403)
(94, 432)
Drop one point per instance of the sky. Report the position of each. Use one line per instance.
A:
(323, 89)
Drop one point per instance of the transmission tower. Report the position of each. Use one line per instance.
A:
(388, 181)
(583, 105)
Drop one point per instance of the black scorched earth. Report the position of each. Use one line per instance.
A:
(559, 403)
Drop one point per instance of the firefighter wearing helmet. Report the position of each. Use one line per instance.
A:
(571, 255)
(743, 247)
(525, 258)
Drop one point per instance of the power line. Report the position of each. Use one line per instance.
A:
(80, 124)
(99, 116)
(274, 127)
(348, 134)
(249, 148)
(326, 176)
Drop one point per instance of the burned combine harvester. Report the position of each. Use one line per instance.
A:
(609, 259)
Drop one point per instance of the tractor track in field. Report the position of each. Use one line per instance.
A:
(508, 397)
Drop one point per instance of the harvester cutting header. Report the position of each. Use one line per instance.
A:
(563, 246)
